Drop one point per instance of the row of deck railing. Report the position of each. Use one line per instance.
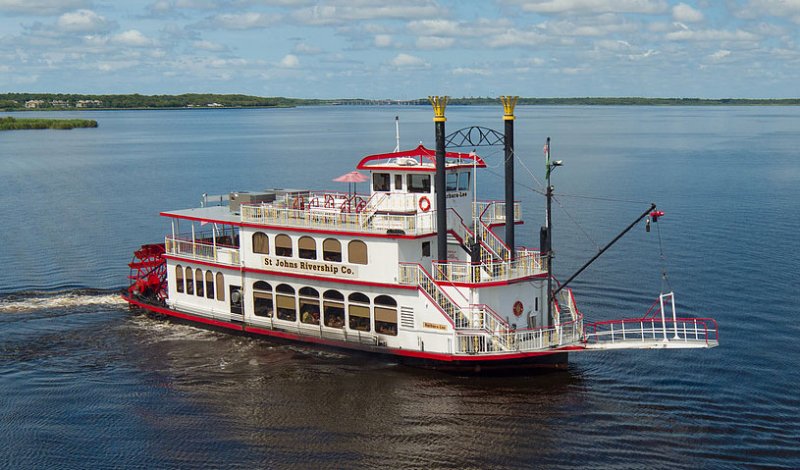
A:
(526, 264)
(688, 331)
(203, 250)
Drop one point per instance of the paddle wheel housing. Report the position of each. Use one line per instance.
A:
(149, 273)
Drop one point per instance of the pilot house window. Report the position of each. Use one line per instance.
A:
(380, 182)
(452, 181)
(419, 183)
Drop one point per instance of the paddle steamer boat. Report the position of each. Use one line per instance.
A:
(414, 270)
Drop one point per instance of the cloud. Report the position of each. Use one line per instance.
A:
(471, 71)
(584, 7)
(780, 8)
(40, 7)
(719, 55)
(382, 40)
(306, 49)
(686, 14)
(711, 35)
(209, 46)
(342, 11)
(434, 42)
(403, 61)
(515, 37)
(133, 38)
(290, 61)
(82, 21)
(240, 21)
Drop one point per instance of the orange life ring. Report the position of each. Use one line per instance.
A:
(424, 204)
(518, 308)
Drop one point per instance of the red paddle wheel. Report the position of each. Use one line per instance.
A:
(149, 273)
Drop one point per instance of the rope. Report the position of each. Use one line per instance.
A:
(664, 278)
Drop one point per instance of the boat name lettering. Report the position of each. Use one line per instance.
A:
(435, 326)
(311, 266)
(459, 194)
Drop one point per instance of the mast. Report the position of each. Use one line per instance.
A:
(397, 133)
(509, 102)
(547, 236)
(439, 103)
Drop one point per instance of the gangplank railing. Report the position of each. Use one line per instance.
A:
(652, 332)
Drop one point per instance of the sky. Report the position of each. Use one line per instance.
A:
(403, 49)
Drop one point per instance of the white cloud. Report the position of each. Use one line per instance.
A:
(408, 61)
(434, 42)
(719, 55)
(290, 61)
(134, 38)
(307, 49)
(382, 40)
(515, 37)
(40, 7)
(247, 20)
(332, 13)
(779, 8)
(583, 7)
(82, 21)
(685, 13)
(209, 46)
(711, 35)
(471, 71)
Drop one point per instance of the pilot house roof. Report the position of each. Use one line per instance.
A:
(418, 159)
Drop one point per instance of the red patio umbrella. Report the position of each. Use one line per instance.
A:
(352, 178)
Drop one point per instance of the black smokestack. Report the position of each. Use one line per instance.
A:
(439, 103)
(509, 102)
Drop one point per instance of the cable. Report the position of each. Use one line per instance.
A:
(664, 278)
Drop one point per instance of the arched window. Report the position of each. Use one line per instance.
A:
(309, 306)
(307, 248)
(262, 299)
(283, 245)
(332, 250)
(199, 280)
(333, 309)
(358, 311)
(189, 281)
(357, 252)
(179, 278)
(260, 243)
(209, 284)
(220, 287)
(285, 303)
(385, 315)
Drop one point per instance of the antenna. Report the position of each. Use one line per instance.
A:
(397, 133)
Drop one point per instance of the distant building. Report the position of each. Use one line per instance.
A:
(215, 105)
(59, 104)
(31, 104)
(88, 104)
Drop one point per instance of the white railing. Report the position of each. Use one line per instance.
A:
(415, 275)
(526, 264)
(203, 251)
(493, 212)
(652, 332)
(334, 219)
(520, 340)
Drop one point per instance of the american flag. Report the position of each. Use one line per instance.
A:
(546, 149)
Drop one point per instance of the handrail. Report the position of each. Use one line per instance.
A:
(223, 254)
(685, 330)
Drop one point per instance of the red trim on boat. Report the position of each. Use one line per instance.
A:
(440, 357)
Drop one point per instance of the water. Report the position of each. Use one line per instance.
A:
(86, 383)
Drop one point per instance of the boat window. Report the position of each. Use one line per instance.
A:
(199, 279)
(332, 250)
(385, 315)
(380, 182)
(358, 311)
(426, 249)
(260, 243)
(179, 278)
(284, 300)
(236, 299)
(307, 248)
(309, 306)
(262, 299)
(419, 183)
(452, 181)
(357, 252)
(398, 182)
(463, 181)
(333, 309)
(189, 281)
(283, 245)
(220, 287)
(209, 284)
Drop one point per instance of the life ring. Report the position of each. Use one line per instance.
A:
(518, 308)
(424, 204)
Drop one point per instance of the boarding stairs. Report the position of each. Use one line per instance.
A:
(660, 328)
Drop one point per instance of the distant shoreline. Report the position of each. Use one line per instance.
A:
(76, 102)
(15, 124)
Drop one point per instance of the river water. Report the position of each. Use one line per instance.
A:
(86, 383)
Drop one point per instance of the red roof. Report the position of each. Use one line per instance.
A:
(413, 160)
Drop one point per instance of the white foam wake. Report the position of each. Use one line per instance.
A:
(64, 300)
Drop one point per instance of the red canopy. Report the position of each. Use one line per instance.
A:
(352, 177)
(421, 154)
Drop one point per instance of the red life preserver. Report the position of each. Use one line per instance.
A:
(424, 204)
(518, 308)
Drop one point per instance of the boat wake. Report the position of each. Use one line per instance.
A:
(21, 302)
